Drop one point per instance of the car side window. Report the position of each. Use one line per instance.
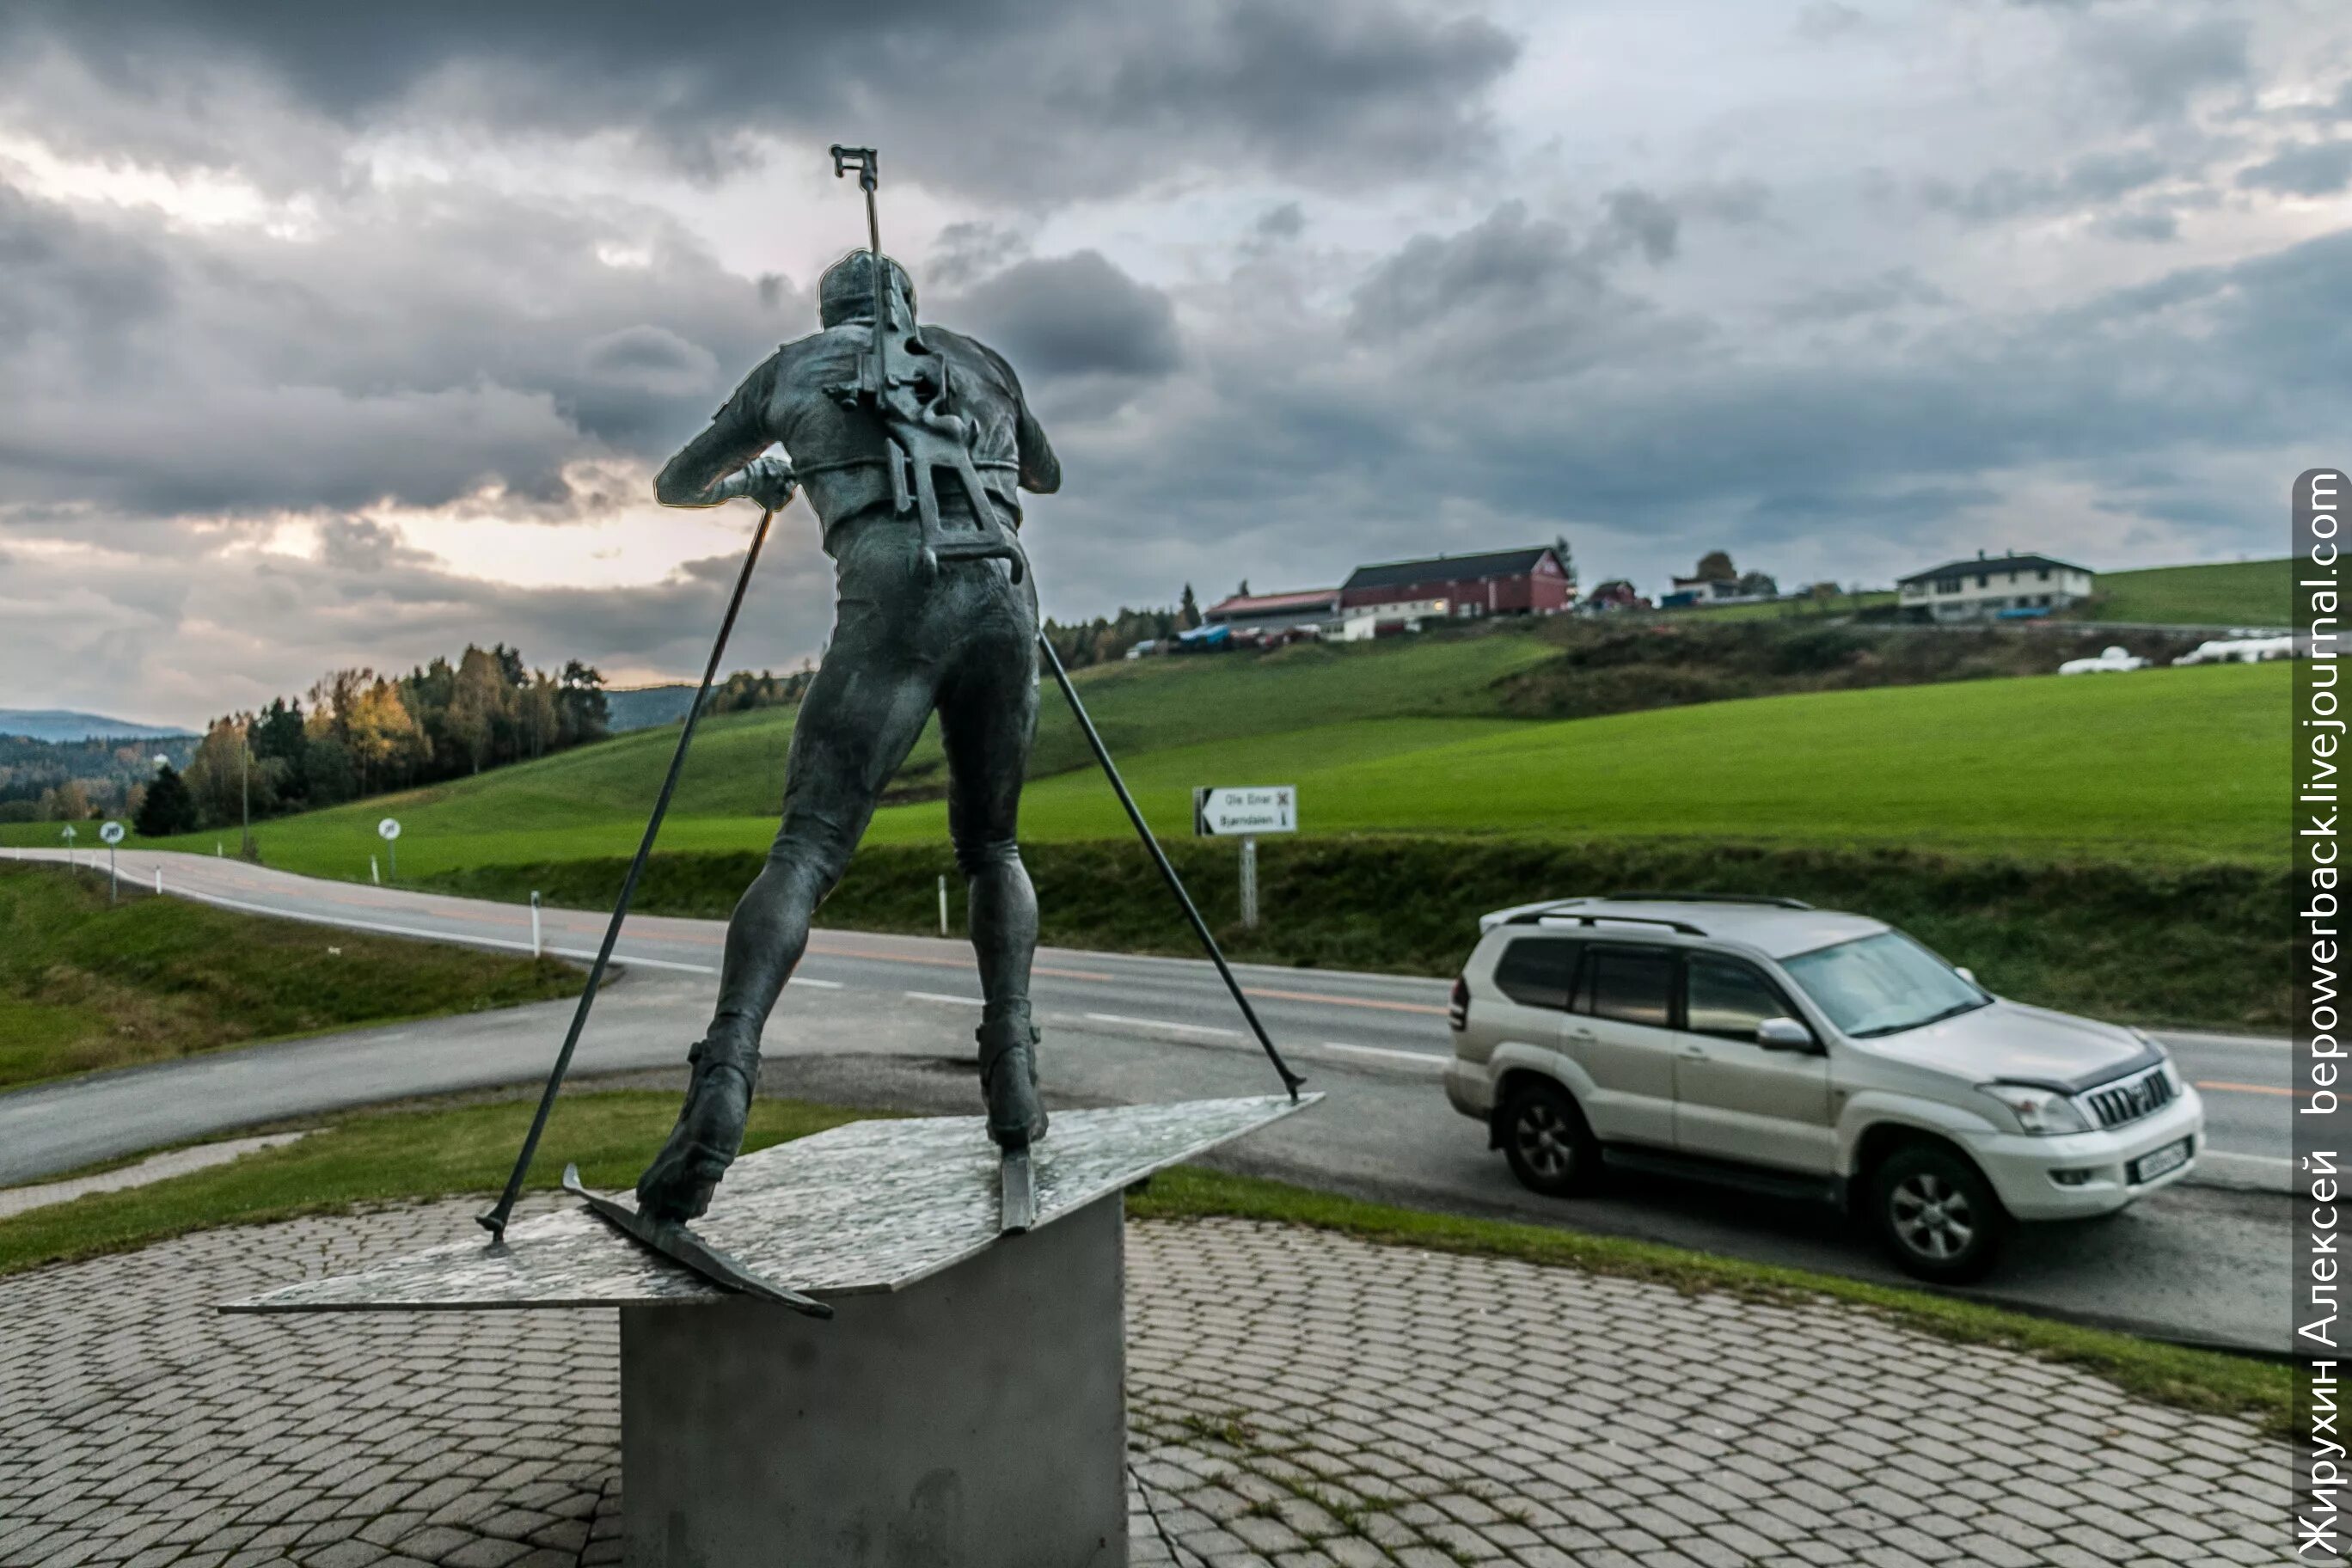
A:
(1722, 996)
(1631, 985)
(1537, 971)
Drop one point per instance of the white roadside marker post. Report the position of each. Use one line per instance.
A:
(159, 880)
(535, 949)
(943, 903)
(1249, 884)
(375, 873)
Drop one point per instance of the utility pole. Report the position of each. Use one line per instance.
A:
(244, 786)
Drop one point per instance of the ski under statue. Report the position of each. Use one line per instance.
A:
(681, 1246)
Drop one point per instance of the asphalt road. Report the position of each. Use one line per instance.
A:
(887, 1020)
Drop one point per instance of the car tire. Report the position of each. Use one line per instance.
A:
(1938, 1217)
(1546, 1139)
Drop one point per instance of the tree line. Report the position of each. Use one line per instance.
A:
(365, 733)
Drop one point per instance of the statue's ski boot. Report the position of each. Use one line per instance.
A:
(678, 1185)
(1016, 1117)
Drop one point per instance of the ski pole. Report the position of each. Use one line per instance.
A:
(495, 1221)
(1290, 1080)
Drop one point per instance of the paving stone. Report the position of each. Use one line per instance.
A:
(1296, 1400)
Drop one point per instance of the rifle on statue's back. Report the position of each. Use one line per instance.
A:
(913, 399)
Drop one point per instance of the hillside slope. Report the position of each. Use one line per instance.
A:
(2164, 765)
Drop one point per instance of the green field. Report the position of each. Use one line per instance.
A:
(2164, 765)
(2231, 594)
(85, 984)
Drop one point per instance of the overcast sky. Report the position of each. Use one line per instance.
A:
(348, 334)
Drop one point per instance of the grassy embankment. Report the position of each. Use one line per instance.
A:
(84, 985)
(2228, 593)
(415, 1154)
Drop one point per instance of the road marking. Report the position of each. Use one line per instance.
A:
(1164, 1024)
(943, 996)
(963, 964)
(1345, 1001)
(2247, 1089)
(462, 939)
(1422, 1059)
(819, 984)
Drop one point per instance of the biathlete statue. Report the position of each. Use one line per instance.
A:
(912, 443)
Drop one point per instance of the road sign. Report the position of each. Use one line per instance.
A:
(70, 835)
(387, 830)
(111, 833)
(1246, 811)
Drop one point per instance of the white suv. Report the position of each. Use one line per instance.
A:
(1774, 1045)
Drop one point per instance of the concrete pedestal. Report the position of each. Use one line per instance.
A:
(976, 1419)
(964, 1406)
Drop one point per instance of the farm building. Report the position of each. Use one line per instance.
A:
(1993, 587)
(1312, 607)
(1497, 583)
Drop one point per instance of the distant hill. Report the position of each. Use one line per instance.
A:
(2225, 594)
(60, 724)
(643, 707)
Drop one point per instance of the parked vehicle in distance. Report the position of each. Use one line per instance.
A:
(2241, 650)
(1774, 1046)
(2109, 660)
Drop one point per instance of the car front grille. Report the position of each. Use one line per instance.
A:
(2131, 1099)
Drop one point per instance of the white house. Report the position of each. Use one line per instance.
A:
(1994, 587)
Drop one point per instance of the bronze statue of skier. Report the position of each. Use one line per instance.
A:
(936, 614)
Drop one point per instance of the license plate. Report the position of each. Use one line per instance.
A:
(2172, 1157)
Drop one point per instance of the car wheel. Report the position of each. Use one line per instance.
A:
(1550, 1149)
(1937, 1214)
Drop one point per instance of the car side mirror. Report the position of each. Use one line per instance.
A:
(1783, 1035)
(1965, 972)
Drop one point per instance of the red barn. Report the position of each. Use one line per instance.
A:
(1497, 583)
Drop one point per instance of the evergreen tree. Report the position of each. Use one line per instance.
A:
(168, 808)
(1188, 610)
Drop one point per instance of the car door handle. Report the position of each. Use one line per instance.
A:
(1584, 1035)
(1695, 1050)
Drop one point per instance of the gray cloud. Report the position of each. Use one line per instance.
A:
(2005, 193)
(424, 346)
(1073, 315)
(2309, 169)
(1109, 98)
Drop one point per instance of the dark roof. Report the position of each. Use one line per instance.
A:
(1994, 563)
(1448, 569)
(1270, 604)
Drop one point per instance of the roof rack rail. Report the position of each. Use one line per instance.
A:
(1554, 912)
(1774, 900)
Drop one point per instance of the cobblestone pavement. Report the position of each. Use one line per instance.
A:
(1297, 1398)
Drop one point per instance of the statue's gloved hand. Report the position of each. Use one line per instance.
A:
(768, 480)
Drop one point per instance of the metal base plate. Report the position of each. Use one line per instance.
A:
(1017, 1195)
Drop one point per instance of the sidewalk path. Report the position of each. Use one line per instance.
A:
(1296, 1399)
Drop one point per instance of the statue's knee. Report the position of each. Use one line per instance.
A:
(985, 857)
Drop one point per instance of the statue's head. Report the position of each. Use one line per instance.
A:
(846, 292)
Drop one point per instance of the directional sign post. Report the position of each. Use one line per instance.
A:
(389, 831)
(70, 835)
(1243, 814)
(113, 834)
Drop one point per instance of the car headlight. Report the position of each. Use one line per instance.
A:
(2042, 1111)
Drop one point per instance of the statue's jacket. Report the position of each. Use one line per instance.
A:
(796, 397)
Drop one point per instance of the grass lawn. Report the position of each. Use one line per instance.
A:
(85, 986)
(408, 1154)
(2162, 767)
(2231, 594)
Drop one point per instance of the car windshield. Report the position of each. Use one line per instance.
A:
(1882, 985)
